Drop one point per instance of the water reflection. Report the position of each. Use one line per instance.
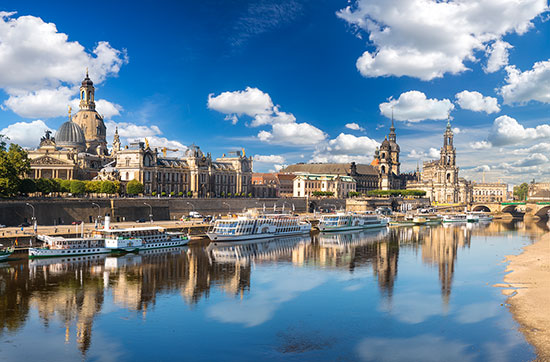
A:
(72, 292)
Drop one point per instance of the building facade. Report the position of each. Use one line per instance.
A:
(386, 160)
(79, 151)
(265, 185)
(440, 179)
(305, 185)
(539, 191)
(489, 192)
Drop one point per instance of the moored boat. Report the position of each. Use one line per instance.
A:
(249, 226)
(455, 218)
(478, 216)
(55, 246)
(351, 221)
(5, 253)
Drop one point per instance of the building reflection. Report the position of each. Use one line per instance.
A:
(72, 291)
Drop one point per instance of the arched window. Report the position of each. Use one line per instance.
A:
(89, 96)
(383, 169)
(83, 95)
(449, 177)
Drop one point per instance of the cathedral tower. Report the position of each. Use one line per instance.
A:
(90, 121)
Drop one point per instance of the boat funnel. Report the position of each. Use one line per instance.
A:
(107, 223)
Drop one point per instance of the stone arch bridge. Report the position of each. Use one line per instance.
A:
(532, 209)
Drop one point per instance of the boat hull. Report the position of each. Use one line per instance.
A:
(52, 253)
(218, 237)
(4, 256)
(346, 228)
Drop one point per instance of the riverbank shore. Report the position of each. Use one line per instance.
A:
(529, 278)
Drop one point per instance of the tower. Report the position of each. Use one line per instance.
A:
(116, 142)
(448, 152)
(90, 121)
(395, 149)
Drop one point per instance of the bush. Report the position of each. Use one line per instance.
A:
(108, 187)
(27, 186)
(65, 185)
(229, 194)
(418, 193)
(250, 194)
(354, 194)
(154, 193)
(173, 193)
(93, 187)
(223, 194)
(134, 187)
(45, 186)
(323, 193)
(180, 194)
(163, 194)
(77, 187)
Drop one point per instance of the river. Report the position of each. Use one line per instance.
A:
(398, 294)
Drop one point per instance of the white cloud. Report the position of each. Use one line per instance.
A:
(131, 130)
(295, 134)
(427, 38)
(480, 145)
(107, 109)
(414, 106)
(26, 134)
(498, 56)
(259, 106)
(457, 130)
(506, 131)
(40, 69)
(475, 101)
(418, 155)
(482, 168)
(534, 159)
(346, 148)
(160, 143)
(538, 148)
(531, 85)
(354, 126)
(269, 159)
(250, 101)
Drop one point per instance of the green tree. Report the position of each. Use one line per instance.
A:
(27, 186)
(189, 194)
(521, 191)
(163, 193)
(65, 185)
(14, 164)
(43, 186)
(77, 187)
(93, 187)
(134, 187)
(108, 187)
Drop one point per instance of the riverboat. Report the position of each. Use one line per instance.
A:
(351, 221)
(262, 226)
(56, 246)
(143, 238)
(457, 218)
(255, 250)
(477, 216)
(5, 253)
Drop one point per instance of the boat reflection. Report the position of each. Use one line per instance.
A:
(72, 291)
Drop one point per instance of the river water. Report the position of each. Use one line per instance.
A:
(399, 294)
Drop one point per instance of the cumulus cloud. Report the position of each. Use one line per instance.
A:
(457, 130)
(132, 130)
(427, 38)
(258, 105)
(419, 155)
(354, 126)
(498, 56)
(269, 159)
(475, 101)
(414, 106)
(481, 145)
(250, 101)
(482, 168)
(538, 148)
(531, 85)
(346, 148)
(295, 134)
(26, 134)
(507, 131)
(534, 159)
(40, 69)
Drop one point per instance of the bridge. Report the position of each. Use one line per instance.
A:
(525, 208)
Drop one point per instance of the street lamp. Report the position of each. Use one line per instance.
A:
(150, 211)
(190, 203)
(98, 214)
(33, 218)
(228, 207)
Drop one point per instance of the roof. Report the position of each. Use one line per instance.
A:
(330, 169)
(311, 177)
(70, 135)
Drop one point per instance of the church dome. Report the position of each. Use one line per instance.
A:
(385, 145)
(70, 135)
(87, 81)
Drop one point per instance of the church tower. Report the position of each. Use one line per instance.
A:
(395, 149)
(116, 142)
(448, 152)
(90, 121)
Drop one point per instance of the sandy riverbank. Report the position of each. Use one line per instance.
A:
(529, 277)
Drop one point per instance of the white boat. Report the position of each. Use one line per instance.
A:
(249, 226)
(144, 238)
(255, 250)
(59, 246)
(5, 253)
(478, 216)
(351, 221)
(455, 218)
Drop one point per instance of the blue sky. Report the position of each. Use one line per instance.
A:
(283, 78)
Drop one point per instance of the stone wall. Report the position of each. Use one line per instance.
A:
(55, 211)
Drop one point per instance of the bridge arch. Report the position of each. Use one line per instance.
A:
(483, 208)
(543, 212)
(510, 209)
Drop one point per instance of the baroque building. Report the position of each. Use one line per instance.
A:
(386, 160)
(440, 179)
(79, 151)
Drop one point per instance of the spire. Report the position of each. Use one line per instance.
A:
(87, 73)
(449, 121)
(392, 135)
(70, 118)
